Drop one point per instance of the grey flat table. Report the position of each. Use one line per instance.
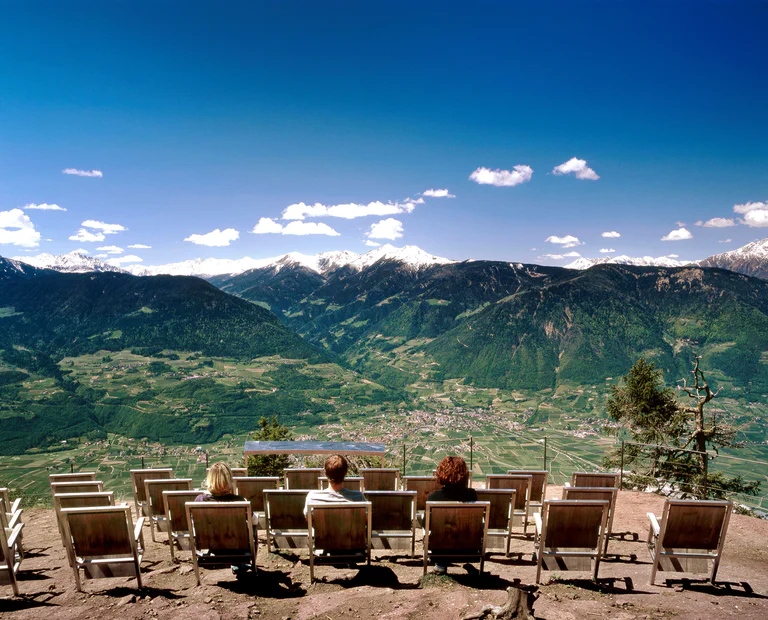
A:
(314, 447)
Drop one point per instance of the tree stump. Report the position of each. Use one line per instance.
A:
(519, 606)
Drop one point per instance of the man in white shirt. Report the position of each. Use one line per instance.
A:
(336, 467)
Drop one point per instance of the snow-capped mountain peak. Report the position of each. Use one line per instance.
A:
(641, 261)
(410, 255)
(751, 259)
(73, 262)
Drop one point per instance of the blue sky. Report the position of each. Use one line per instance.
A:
(203, 116)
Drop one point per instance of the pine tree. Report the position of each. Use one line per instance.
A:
(269, 464)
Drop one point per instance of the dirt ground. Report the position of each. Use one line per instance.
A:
(393, 587)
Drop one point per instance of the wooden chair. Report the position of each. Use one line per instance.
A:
(393, 520)
(594, 479)
(600, 493)
(10, 558)
(83, 476)
(502, 503)
(539, 483)
(174, 504)
(455, 532)
(380, 479)
(138, 477)
(10, 516)
(302, 478)
(521, 484)
(252, 489)
(423, 485)
(240, 472)
(691, 533)
(153, 491)
(85, 486)
(78, 500)
(286, 523)
(353, 483)
(220, 534)
(338, 534)
(570, 534)
(103, 542)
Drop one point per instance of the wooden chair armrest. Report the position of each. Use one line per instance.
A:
(537, 522)
(654, 524)
(16, 518)
(16, 504)
(14, 535)
(567, 485)
(137, 532)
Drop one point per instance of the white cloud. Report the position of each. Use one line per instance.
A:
(725, 241)
(87, 236)
(561, 256)
(348, 211)
(569, 241)
(502, 178)
(17, 229)
(438, 193)
(107, 229)
(371, 244)
(101, 255)
(717, 222)
(386, 229)
(679, 234)
(81, 251)
(43, 207)
(111, 249)
(121, 260)
(140, 246)
(268, 225)
(680, 224)
(673, 256)
(612, 234)
(607, 250)
(215, 238)
(83, 173)
(755, 213)
(577, 167)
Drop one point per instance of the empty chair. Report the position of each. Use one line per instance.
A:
(338, 534)
(242, 472)
(83, 476)
(393, 521)
(103, 542)
(302, 478)
(174, 503)
(85, 486)
(570, 535)
(521, 484)
(539, 481)
(455, 532)
(10, 517)
(153, 491)
(690, 535)
(252, 489)
(594, 479)
(423, 485)
(138, 477)
(79, 500)
(502, 502)
(286, 523)
(380, 479)
(353, 483)
(10, 558)
(600, 493)
(220, 534)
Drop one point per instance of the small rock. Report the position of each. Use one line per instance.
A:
(208, 600)
(126, 600)
(186, 569)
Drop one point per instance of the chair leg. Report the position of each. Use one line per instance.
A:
(311, 567)
(655, 558)
(138, 576)
(170, 544)
(539, 557)
(152, 528)
(78, 585)
(715, 566)
(197, 568)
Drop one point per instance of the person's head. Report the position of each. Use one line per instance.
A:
(219, 479)
(452, 470)
(336, 468)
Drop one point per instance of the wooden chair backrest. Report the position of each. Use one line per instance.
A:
(252, 489)
(87, 486)
(380, 479)
(423, 485)
(353, 483)
(174, 504)
(594, 479)
(220, 525)
(100, 531)
(153, 491)
(594, 493)
(455, 525)
(539, 479)
(83, 476)
(502, 502)
(5, 552)
(340, 527)
(518, 483)
(5, 495)
(286, 508)
(392, 510)
(140, 476)
(573, 524)
(694, 524)
(239, 472)
(302, 479)
(83, 500)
